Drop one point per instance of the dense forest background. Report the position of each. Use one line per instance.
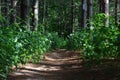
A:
(28, 28)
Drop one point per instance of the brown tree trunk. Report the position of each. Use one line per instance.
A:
(0, 6)
(35, 11)
(25, 13)
(80, 17)
(106, 12)
(116, 11)
(101, 6)
(44, 11)
(7, 12)
(89, 11)
(84, 14)
(13, 13)
(72, 16)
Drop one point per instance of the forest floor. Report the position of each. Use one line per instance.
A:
(67, 65)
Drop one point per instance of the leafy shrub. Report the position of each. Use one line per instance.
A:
(20, 46)
(56, 41)
(76, 40)
(98, 41)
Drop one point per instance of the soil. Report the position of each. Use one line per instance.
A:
(67, 65)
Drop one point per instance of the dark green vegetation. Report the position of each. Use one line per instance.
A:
(20, 46)
(97, 41)
(29, 28)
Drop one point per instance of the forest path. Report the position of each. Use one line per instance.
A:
(65, 65)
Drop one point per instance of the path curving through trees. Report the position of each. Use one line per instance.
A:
(63, 65)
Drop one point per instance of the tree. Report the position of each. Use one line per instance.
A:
(116, 11)
(44, 11)
(7, 11)
(13, 11)
(101, 6)
(84, 14)
(35, 17)
(106, 10)
(72, 16)
(0, 6)
(89, 11)
(25, 13)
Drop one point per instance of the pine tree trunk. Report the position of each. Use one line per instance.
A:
(84, 14)
(44, 11)
(13, 13)
(7, 12)
(101, 6)
(116, 11)
(44, 14)
(89, 12)
(35, 11)
(79, 17)
(0, 6)
(107, 12)
(25, 12)
(72, 16)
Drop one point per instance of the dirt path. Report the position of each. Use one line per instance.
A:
(66, 65)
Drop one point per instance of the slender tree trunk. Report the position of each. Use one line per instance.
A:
(89, 12)
(107, 12)
(0, 6)
(116, 11)
(44, 15)
(25, 13)
(44, 11)
(13, 13)
(101, 6)
(99, 2)
(35, 11)
(79, 17)
(72, 15)
(84, 14)
(7, 11)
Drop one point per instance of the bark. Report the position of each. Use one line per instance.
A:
(35, 11)
(79, 17)
(89, 11)
(101, 6)
(44, 11)
(0, 6)
(106, 12)
(99, 2)
(72, 16)
(84, 14)
(116, 11)
(25, 13)
(7, 12)
(13, 13)
(44, 14)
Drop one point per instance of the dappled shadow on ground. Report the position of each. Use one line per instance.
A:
(67, 65)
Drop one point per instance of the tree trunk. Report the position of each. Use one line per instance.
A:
(44, 11)
(7, 12)
(13, 13)
(101, 6)
(89, 12)
(25, 13)
(0, 6)
(116, 11)
(84, 14)
(80, 17)
(106, 12)
(35, 11)
(72, 15)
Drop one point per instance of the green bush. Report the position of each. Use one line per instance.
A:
(56, 41)
(20, 46)
(98, 41)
